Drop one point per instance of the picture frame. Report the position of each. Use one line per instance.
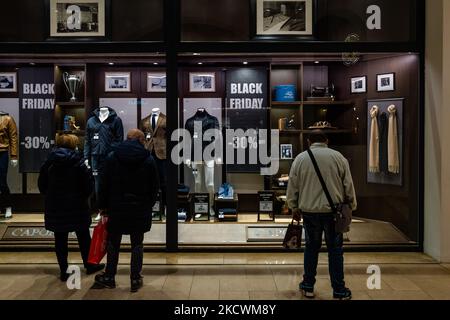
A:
(386, 82)
(202, 82)
(358, 85)
(286, 151)
(283, 19)
(156, 82)
(8, 82)
(78, 20)
(117, 81)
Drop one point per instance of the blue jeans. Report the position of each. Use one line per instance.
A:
(4, 189)
(315, 225)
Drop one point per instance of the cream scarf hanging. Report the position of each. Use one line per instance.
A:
(374, 147)
(393, 152)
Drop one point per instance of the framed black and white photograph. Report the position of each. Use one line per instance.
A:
(156, 82)
(278, 18)
(8, 82)
(117, 82)
(78, 18)
(359, 84)
(386, 82)
(202, 82)
(286, 152)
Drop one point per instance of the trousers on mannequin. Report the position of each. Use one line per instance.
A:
(97, 164)
(4, 189)
(204, 172)
(162, 174)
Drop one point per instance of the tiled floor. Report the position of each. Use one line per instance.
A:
(405, 276)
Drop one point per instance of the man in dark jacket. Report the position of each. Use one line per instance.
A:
(128, 190)
(67, 184)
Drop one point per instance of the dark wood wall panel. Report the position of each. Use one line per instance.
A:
(136, 20)
(23, 20)
(384, 202)
(212, 20)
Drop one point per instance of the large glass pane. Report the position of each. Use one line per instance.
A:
(333, 92)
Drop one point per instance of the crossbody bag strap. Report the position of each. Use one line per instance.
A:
(322, 181)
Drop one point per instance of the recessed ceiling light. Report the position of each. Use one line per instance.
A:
(155, 63)
(111, 63)
(316, 62)
(200, 63)
(245, 62)
(196, 54)
(32, 64)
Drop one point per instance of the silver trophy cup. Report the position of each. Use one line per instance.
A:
(73, 83)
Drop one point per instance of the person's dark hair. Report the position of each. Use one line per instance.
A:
(136, 134)
(317, 136)
(68, 141)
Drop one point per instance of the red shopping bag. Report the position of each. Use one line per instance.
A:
(99, 240)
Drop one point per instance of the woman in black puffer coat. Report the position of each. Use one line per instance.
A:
(67, 185)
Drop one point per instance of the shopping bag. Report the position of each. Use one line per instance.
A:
(293, 237)
(99, 240)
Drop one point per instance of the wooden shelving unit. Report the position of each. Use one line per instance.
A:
(306, 112)
(65, 107)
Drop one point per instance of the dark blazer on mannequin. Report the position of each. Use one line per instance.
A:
(156, 140)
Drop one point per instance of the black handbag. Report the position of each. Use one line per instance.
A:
(343, 212)
(293, 237)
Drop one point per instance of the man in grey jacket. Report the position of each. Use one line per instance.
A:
(306, 198)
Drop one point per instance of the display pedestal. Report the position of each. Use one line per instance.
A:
(226, 209)
(266, 206)
(200, 207)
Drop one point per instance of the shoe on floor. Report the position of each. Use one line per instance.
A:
(104, 282)
(136, 284)
(64, 277)
(307, 290)
(94, 268)
(344, 294)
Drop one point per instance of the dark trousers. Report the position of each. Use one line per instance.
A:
(4, 189)
(162, 174)
(62, 250)
(315, 225)
(137, 254)
(97, 164)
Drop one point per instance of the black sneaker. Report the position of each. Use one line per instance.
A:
(94, 268)
(307, 290)
(136, 284)
(64, 276)
(344, 294)
(104, 282)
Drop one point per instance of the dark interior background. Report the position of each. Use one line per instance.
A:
(136, 20)
(216, 20)
(229, 20)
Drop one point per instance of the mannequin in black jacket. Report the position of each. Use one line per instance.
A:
(104, 130)
(203, 171)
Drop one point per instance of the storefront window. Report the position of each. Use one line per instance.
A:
(48, 99)
(224, 203)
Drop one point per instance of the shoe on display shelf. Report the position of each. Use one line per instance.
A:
(8, 214)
